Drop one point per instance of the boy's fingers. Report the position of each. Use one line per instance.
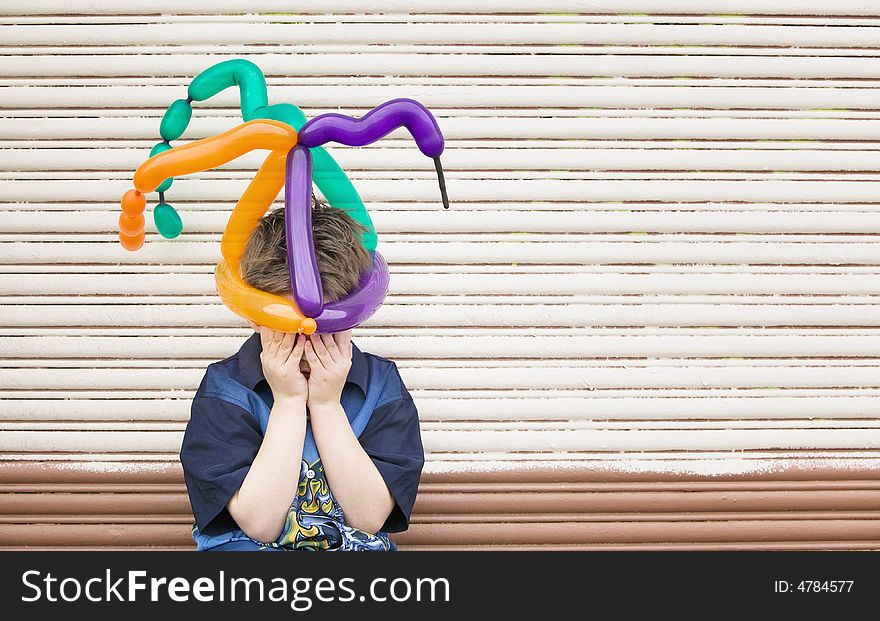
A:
(320, 349)
(265, 339)
(296, 353)
(330, 345)
(285, 347)
(274, 341)
(312, 357)
(343, 342)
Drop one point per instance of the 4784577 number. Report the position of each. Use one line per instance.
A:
(813, 586)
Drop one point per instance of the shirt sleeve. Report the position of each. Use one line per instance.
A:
(393, 441)
(219, 445)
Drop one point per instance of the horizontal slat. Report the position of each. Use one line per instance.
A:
(454, 504)
(529, 376)
(469, 190)
(583, 48)
(27, 281)
(469, 407)
(572, 65)
(493, 221)
(477, 440)
(501, 424)
(548, 362)
(472, 127)
(771, 7)
(381, 17)
(521, 346)
(679, 158)
(485, 269)
(656, 249)
(507, 466)
(479, 30)
(481, 315)
(465, 299)
(452, 315)
(544, 428)
(532, 93)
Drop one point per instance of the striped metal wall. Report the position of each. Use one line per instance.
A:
(660, 269)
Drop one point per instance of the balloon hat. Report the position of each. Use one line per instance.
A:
(296, 157)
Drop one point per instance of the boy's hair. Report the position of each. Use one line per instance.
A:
(341, 256)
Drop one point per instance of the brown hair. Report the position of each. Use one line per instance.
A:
(342, 257)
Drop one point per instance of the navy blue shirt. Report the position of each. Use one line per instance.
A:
(224, 434)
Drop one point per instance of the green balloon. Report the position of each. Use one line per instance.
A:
(167, 220)
(159, 148)
(327, 174)
(339, 192)
(284, 112)
(241, 72)
(176, 118)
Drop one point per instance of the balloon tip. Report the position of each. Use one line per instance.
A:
(308, 326)
(442, 181)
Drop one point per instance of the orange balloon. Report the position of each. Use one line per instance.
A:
(131, 220)
(211, 152)
(254, 202)
(265, 309)
(133, 202)
(131, 225)
(131, 242)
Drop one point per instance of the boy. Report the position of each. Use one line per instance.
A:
(300, 442)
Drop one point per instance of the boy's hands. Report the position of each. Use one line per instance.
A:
(280, 359)
(329, 358)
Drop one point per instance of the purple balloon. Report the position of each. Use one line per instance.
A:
(360, 304)
(376, 124)
(305, 279)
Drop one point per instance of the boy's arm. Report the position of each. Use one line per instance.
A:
(261, 504)
(352, 475)
(356, 482)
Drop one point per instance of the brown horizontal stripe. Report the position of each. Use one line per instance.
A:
(74, 505)
(63, 535)
(475, 534)
(122, 486)
(769, 545)
(164, 472)
(635, 532)
(448, 506)
(84, 503)
(48, 472)
(721, 499)
(483, 518)
(650, 547)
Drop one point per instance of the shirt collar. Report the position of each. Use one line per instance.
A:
(251, 369)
